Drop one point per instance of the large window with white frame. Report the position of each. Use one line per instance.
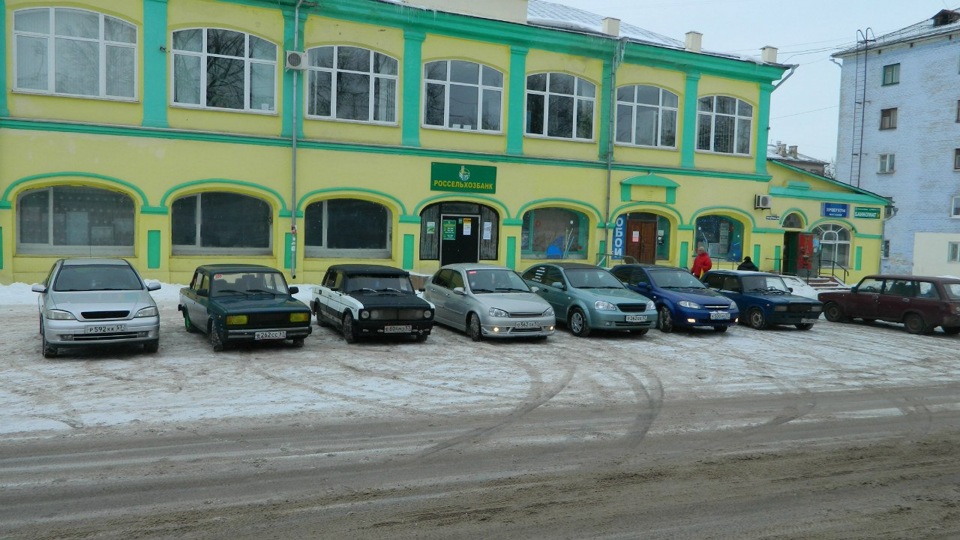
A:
(75, 220)
(221, 223)
(833, 245)
(352, 228)
(462, 95)
(647, 116)
(224, 69)
(74, 52)
(724, 124)
(887, 163)
(560, 105)
(351, 83)
(955, 206)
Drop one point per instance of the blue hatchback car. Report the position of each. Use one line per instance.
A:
(682, 301)
(764, 299)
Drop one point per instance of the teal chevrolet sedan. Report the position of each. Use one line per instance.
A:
(588, 298)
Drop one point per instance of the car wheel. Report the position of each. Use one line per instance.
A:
(188, 324)
(316, 311)
(349, 334)
(420, 338)
(578, 323)
(804, 326)
(720, 329)
(473, 327)
(298, 342)
(756, 319)
(640, 332)
(49, 351)
(951, 330)
(216, 338)
(833, 312)
(665, 321)
(151, 346)
(915, 324)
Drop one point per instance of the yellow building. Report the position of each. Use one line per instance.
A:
(302, 134)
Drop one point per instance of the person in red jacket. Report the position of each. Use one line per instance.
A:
(701, 263)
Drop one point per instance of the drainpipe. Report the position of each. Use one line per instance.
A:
(611, 133)
(293, 150)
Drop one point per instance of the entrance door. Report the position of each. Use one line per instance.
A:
(642, 241)
(459, 239)
(798, 254)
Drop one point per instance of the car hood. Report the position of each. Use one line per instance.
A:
(78, 301)
(513, 302)
(611, 295)
(388, 300)
(692, 295)
(781, 298)
(260, 302)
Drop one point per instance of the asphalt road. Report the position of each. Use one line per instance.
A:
(845, 431)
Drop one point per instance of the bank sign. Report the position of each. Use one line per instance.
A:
(463, 178)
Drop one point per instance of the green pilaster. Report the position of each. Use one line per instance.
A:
(412, 60)
(408, 243)
(516, 122)
(756, 255)
(156, 55)
(684, 261)
(776, 258)
(290, 27)
(4, 109)
(763, 124)
(153, 249)
(512, 252)
(288, 251)
(688, 144)
(858, 259)
(605, 108)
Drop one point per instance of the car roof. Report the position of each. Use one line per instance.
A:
(650, 266)
(232, 267)
(474, 266)
(742, 273)
(380, 269)
(908, 277)
(95, 262)
(570, 265)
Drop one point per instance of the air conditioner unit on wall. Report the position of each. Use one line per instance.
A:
(761, 202)
(296, 60)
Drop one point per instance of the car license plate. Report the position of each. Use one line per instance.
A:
(636, 318)
(105, 329)
(279, 334)
(397, 329)
(719, 316)
(526, 324)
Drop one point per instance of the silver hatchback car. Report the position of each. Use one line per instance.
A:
(490, 301)
(92, 302)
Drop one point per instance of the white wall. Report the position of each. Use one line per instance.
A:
(930, 254)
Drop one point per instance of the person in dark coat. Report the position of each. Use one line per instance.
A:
(747, 264)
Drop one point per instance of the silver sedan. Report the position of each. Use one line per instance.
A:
(488, 301)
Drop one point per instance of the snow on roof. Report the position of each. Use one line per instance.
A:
(780, 151)
(946, 21)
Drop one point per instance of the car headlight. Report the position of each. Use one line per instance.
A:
(548, 312)
(299, 317)
(688, 304)
(651, 306)
(817, 308)
(603, 305)
(236, 320)
(364, 314)
(60, 315)
(151, 311)
(496, 312)
(427, 314)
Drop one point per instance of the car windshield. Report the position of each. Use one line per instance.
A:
(97, 278)
(378, 283)
(953, 290)
(248, 283)
(771, 284)
(675, 279)
(592, 278)
(490, 281)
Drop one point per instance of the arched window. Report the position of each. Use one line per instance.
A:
(72, 220)
(74, 52)
(560, 105)
(554, 233)
(351, 83)
(832, 245)
(347, 228)
(224, 69)
(793, 221)
(647, 116)
(222, 223)
(721, 236)
(724, 125)
(462, 95)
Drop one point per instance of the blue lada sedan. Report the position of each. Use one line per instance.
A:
(764, 299)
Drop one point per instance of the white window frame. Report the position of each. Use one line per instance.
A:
(955, 207)
(204, 56)
(953, 252)
(50, 51)
(321, 251)
(891, 74)
(377, 81)
(829, 235)
(888, 118)
(636, 108)
(483, 86)
(584, 95)
(956, 159)
(708, 117)
(887, 164)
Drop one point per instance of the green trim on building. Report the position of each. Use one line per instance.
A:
(412, 60)
(684, 254)
(795, 210)
(516, 123)
(688, 144)
(638, 206)
(763, 126)
(728, 211)
(512, 252)
(858, 259)
(4, 110)
(6, 203)
(153, 249)
(284, 211)
(826, 196)
(552, 202)
(408, 245)
(301, 204)
(651, 180)
(777, 258)
(480, 199)
(288, 250)
(155, 63)
(756, 255)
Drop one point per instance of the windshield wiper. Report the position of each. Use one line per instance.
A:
(476, 290)
(511, 289)
(391, 289)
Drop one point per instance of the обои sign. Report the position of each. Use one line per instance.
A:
(463, 178)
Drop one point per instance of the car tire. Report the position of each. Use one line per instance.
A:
(151, 346)
(473, 327)
(804, 326)
(349, 333)
(834, 313)
(665, 320)
(316, 311)
(298, 343)
(216, 338)
(188, 324)
(49, 351)
(756, 319)
(951, 330)
(420, 338)
(720, 329)
(577, 322)
(640, 332)
(915, 324)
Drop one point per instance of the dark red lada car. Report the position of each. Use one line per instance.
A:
(921, 303)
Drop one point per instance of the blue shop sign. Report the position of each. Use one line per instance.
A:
(836, 210)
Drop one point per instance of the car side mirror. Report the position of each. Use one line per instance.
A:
(153, 285)
(559, 285)
(38, 288)
(853, 289)
(534, 288)
(459, 290)
(790, 289)
(294, 289)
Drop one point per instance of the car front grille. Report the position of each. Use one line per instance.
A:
(396, 314)
(113, 336)
(800, 308)
(715, 307)
(270, 320)
(102, 315)
(523, 315)
(632, 308)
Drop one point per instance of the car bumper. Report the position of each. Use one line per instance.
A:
(268, 334)
(703, 317)
(778, 317)
(393, 328)
(617, 320)
(84, 333)
(518, 327)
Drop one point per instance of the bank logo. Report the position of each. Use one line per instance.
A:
(464, 173)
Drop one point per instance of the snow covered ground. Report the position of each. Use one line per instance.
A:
(446, 376)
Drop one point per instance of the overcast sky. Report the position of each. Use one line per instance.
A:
(804, 109)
